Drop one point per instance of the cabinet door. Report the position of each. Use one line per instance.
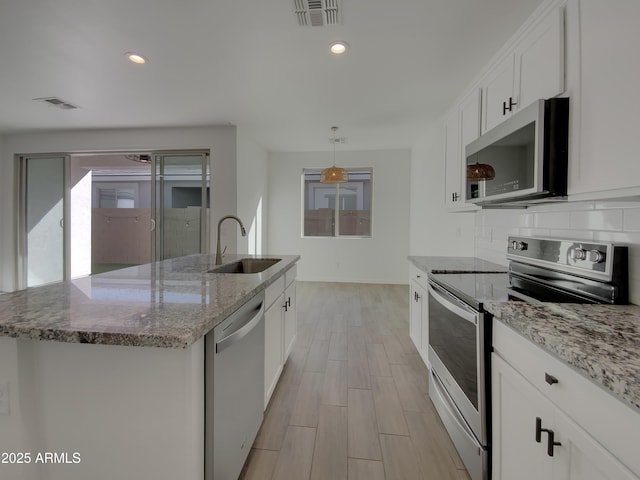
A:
(469, 111)
(497, 88)
(539, 60)
(424, 327)
(290, 324)
(272, 347)
(516, 405)
(469, 121)
(609, 99)
(415, 317)
(453, 159)
(581, 457)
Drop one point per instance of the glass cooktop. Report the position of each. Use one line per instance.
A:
(475, 288)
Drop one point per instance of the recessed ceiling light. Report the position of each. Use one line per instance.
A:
(136, 58)
(338, 48)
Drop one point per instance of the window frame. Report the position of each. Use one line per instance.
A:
(336, 222)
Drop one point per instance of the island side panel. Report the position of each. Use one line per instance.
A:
(129, 412)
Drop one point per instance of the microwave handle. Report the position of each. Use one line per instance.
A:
(452, 304)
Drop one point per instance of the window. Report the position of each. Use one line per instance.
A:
(115, 194)
(349, 202)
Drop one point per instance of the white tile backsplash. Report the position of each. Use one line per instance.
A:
(551, 219)
(610, 220)
(617, 222)
(631, 220)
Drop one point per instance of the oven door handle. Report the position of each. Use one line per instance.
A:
(448, 303)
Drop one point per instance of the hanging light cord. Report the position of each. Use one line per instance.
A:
(334, 129)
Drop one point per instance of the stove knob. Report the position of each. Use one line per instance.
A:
(578, 253)
(595, 256)
(518, 246)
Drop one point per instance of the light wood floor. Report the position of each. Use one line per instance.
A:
(352, 401)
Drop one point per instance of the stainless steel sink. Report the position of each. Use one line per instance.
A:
(246, 265)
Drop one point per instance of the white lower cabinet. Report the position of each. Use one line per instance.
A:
(536, 435)
(415, 317)
(583, 458)
(419, 312)
(516, 405)
(281, 328)
(290, 323)
(272, 347)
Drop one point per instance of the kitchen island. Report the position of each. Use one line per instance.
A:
(119, 392)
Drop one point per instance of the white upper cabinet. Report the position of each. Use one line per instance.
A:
(604, 151)
(533, 69)
(539, 60)
(497, 91)
(453, 174)
(462, 126)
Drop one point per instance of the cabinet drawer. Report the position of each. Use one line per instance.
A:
(614, 424)
(290, 275)
(273, 291)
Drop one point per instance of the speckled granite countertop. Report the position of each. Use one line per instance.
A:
(171, 304)
(456, 264)
(600, 341)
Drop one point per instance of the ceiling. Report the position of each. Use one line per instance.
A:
(247, 63)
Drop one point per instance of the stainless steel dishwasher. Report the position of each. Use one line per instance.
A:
(234, 389)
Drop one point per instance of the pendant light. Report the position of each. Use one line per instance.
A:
(334, 174)
(480, 171)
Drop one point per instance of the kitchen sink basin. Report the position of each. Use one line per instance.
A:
(246, 265)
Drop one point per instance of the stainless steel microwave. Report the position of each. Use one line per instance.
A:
(524, 159)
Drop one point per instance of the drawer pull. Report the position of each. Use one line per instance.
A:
(550, 379)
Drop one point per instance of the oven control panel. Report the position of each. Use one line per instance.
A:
(585, 258)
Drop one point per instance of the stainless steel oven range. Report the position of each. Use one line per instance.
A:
(540, 270)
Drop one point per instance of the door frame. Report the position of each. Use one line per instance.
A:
(20, 172)
(20, 163)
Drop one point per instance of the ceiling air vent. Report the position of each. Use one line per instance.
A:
(57, 102)
(316, 13)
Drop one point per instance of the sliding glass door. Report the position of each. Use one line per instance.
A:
(181, 204)
(98, 212)
(42, 205)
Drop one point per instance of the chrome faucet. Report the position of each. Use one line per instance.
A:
(242, 230)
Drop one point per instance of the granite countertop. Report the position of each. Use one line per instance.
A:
(456, 265)
(600, 341)
(169, 304)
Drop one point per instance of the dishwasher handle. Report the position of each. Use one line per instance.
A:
(245, 325)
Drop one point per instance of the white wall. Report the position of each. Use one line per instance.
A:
(252, 194)
(221, 141)
(613, 221)
(434, 231)
(379, 259)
